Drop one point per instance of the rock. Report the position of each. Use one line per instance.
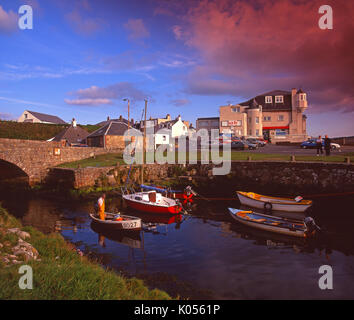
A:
(18, 232)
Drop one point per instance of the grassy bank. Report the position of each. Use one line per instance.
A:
(62, 273)
(111, 159)
(34, 131)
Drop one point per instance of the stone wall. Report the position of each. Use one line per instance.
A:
(280, 177)
(35, 157)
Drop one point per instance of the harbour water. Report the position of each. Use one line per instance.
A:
(205, 254)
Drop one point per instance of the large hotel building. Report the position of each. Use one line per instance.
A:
(277, 115)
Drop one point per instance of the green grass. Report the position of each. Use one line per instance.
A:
(111, 159)
(35, 131)
(103, 160)
(63, 274)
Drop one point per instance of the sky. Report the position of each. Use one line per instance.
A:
(186, 57)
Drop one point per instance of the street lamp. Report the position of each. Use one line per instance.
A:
(126, 99)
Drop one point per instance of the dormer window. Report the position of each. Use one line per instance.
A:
(268, 99)
(302, 96)
(279, 99)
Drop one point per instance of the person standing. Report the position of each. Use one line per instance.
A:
(319, 145)
(327, 145)
(101, 206)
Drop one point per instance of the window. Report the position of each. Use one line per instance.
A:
(268, 99)
(26, 115)
(163, 138)
(249, 120)
(257, 119)
(281, 117)
(281, 132)
(267, 118)
(257, 132)
(224, 123)
(279, 99)
(215, 124)
(235, 109)
(302, 96)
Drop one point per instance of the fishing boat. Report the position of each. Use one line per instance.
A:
(185, 195)
(296, 228)
(152, 202)
(255, 200)
(119, 222)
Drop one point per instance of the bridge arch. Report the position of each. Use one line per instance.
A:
(12, 175)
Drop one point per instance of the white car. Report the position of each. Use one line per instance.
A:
(335, 146)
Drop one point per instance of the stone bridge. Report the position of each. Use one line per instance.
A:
(34, 158)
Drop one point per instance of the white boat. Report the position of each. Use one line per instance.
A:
(127, 223)
(296, 228)
(255, 200)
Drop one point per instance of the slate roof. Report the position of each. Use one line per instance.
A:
(46, 117)
(72, 134)
(260, 100)
(112, 128)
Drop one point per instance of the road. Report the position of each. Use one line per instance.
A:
(296, 150)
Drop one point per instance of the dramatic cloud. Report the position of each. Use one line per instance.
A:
(8, 21)
(136, 29)
(101, 96)
(252, 47)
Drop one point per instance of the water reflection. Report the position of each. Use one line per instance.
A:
(206, 250)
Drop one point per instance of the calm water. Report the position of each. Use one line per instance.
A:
(206, 255)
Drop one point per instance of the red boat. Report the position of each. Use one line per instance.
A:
(153, 202)
(186, 195)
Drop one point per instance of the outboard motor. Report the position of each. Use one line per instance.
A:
(311, 226)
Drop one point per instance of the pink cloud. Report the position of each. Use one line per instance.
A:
(8, 21)
(252, 47)
(136, 29)
(88, 102)
(95, 95)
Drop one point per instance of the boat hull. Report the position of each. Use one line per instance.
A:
(275, 204)
(152, 208)
(289, 231)
(127, 224)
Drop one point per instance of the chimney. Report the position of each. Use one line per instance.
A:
(73, 122)
(132, 121)
(120, 117)
(179, 117)
(168, 117)
(107, 118)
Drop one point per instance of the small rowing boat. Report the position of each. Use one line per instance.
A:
(119, 222)
(152, 202)
(255, 200)
(296, 228)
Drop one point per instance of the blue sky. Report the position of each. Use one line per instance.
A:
(83, 57)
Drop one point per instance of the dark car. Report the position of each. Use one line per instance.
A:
(243, 145)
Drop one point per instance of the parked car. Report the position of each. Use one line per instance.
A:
(243, 145)
(256, 141)
(312, 144)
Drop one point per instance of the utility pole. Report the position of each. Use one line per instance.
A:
(128, 112)
(144, 147)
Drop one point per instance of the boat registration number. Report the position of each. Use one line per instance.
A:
(129, 225)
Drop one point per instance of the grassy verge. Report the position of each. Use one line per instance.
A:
(111, 159)
(103, 160)
(63, 274)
